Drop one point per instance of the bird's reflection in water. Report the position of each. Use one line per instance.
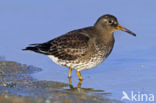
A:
(79, 89)
(78, 85)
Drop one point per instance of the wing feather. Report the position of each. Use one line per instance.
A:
(69, 47)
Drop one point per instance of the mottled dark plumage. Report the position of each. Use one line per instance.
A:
(67, 47)
(83, 48)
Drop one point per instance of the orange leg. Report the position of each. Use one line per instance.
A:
(79, 84)
(69, 74)
(79, 75)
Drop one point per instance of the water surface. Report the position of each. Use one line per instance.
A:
(131, 65)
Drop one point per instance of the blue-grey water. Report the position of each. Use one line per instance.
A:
(131, 65)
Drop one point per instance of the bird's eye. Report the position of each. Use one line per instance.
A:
(110, 21)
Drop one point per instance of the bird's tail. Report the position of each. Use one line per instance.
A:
(39, 48)
(35, 49)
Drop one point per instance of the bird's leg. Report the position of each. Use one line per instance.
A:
(70, 83)
(79, 84)
(79, 75)
(69, 74)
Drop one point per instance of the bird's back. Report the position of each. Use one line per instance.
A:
(79, 49)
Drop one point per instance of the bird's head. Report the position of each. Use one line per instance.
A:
(110, 23)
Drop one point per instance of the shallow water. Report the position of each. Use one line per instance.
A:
(131, 65)
(18, 86)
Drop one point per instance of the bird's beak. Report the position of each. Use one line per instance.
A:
(119, 27)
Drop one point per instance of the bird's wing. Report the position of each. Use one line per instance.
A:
(67, 47)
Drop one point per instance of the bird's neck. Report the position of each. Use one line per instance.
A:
(104, 35)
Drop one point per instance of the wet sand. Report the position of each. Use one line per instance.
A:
(18, 86)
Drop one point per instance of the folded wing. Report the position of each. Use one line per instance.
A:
(66, 47)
